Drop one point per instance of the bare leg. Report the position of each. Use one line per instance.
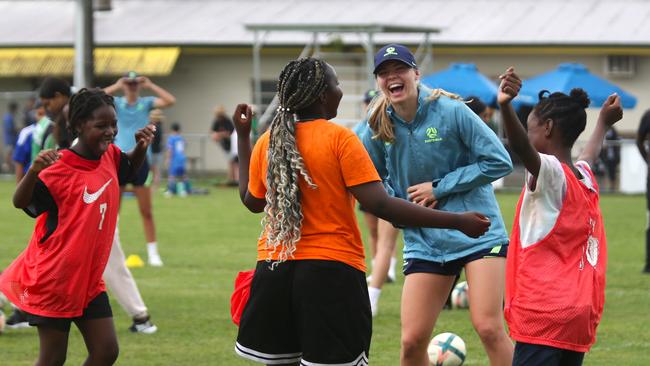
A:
(371, 223)
(386, 239)
(486, 282)
(235, 170)
(101, 341)
(53, 346)
(423, 296)
(155, 172)
(143, 194)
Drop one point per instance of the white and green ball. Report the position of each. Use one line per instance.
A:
(447, 349)
(460, 296)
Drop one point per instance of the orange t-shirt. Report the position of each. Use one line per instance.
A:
(335, 160)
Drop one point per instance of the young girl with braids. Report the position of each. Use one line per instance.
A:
(555, 285)
(74, 196)
(437, 153)
(309, 298)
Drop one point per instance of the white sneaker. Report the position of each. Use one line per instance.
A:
(155, 261)
(144, 326)
(391, 277)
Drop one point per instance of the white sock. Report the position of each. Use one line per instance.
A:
(374, 294)
(391, 268)
(152, 248)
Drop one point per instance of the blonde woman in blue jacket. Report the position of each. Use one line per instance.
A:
(436, 152)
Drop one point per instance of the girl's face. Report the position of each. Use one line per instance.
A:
(398, 81)
(332, 94)
(538, 132)
(99, 131)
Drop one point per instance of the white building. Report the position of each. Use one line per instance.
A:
(201, 50)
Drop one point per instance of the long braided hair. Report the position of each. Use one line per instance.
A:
(380, 122)
(82, 105)
(300, 84)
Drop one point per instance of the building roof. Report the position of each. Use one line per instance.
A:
(223, 22)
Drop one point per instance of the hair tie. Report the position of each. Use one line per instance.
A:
(282, 109)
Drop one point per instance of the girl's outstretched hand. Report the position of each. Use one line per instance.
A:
(509, 87)
(611, 111)
(44, 159)
(473, 224)
(242, 119)
(144, 136)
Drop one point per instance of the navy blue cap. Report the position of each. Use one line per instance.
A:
(394, 52)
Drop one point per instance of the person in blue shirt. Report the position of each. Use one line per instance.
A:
(132, 115)
(175, 161)
(9, 131)
(431, 149)
(383, 236)
(22, 156)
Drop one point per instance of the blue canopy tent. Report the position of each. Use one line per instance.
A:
(465, 80)
(568, 76)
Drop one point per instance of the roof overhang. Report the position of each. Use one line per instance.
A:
(340, 28)
(37, 62)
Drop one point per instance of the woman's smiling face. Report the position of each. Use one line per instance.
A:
(398, 81)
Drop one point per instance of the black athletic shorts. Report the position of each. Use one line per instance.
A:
(97, 308)
(527, 354)
(315, 312)
(140, 177)
(451, 268)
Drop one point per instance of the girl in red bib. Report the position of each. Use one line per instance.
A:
(74, 196)
(555, 272)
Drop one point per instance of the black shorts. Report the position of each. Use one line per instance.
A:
(452, 268)
(98, 308)
(140, 177)
(539, 355)
(307, 311)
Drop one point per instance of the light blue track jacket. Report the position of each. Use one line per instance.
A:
(446, 143)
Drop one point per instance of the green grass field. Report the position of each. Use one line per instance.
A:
(206, 240)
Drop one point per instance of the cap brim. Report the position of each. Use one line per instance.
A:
(393, 59)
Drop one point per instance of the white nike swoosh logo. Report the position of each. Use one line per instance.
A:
(92, 197)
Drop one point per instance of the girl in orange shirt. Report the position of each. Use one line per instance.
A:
(309, 298)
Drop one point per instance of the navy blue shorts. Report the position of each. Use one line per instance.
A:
(452, 268)
(527, 354)
(97, 308)
(140, 177)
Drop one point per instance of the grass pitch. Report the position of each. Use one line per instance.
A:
(205, 240)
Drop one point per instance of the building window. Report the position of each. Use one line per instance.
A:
(622, 66)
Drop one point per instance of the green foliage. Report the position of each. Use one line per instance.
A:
(206, 240)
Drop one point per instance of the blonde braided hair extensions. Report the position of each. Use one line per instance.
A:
(301, 82)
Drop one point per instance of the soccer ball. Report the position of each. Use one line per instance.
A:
(459, 296)
(446, 349)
